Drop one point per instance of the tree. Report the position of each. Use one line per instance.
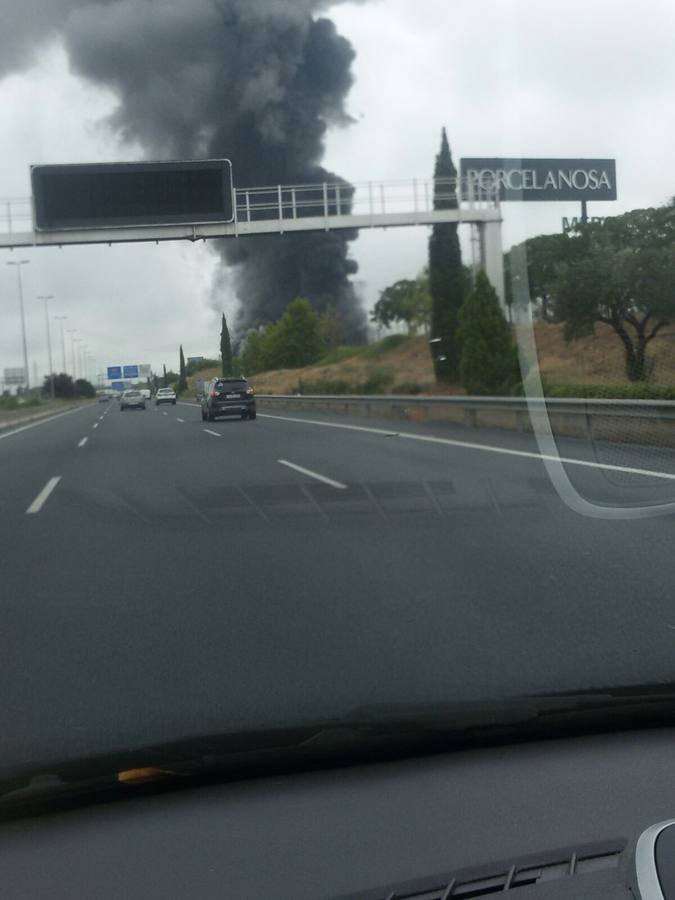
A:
(545, 255)
(64, 387)
(182, 378)
(405, 301)
(446, 277)
(225, 348)
(84, 388)
(252, 354)
(488, 362)
(295, 340)
(620, 272)
(333, 328)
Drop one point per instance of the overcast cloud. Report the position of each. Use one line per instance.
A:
(506, 78)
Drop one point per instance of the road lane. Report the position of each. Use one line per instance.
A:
(30, 456)
(175, 584)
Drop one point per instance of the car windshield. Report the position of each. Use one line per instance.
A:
(430, 257)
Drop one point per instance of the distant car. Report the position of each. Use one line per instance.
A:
(132, 400)
(103, 398)
(165, 395)
(228, 397)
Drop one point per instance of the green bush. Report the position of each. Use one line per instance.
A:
(633, 391)
(368, 351)
(385, 345)
(339, 354)
(377, 382)
(409, 387)
(325, 386)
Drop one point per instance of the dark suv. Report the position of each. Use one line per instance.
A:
(228, 397)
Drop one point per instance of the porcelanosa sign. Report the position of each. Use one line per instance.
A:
(539, 179)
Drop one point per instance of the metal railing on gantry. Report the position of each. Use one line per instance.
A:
(280, 208)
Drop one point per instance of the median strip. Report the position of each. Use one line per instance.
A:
(41, 498)
(311, 474)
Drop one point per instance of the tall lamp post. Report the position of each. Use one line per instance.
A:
(18, 264)
(77, 357)
(72, 332)
(61, 320)
(46, 299)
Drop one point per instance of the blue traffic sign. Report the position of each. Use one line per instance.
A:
(130, 371)
(117, 386)
(114, 372)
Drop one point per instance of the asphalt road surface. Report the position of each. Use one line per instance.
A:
(163, 577)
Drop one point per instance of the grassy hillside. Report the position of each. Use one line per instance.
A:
(400, 364)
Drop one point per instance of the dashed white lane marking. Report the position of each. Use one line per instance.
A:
(95, 425)
(41, 498)
(179, 420)
(311, 474)
(214, 433)
(83, 442)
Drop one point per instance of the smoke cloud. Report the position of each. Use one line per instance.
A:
(256, 81)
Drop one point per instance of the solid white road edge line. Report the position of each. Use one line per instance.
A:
(311, 474)
(6, 434)
(467, 445)
(41, 498)
(83, 442)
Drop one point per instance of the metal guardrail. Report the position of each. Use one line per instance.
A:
(559, 403)
(630, 421)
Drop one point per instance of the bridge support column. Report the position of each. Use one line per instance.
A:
(492, 259)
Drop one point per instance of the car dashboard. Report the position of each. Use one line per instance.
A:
(548, 819)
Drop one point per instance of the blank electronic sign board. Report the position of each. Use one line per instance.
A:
(109, 195)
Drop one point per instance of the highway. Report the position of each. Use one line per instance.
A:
(164, 577)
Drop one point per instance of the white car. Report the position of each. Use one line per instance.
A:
(147, 394)
(165, 395)
(131, 400)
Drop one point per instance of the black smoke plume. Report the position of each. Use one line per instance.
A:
(257, 81)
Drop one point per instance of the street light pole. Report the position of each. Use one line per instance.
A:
(83, 360)
(47, 298)
(22, 262)
(63, 340)
(71, 332)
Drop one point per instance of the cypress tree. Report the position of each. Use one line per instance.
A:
(225, 348)
(489, 363)
(446, 277)
(182, 381)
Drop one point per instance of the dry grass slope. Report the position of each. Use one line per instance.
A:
(593, 360)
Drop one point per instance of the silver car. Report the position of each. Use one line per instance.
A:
(132, 400)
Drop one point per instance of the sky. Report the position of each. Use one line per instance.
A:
(505, 77)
